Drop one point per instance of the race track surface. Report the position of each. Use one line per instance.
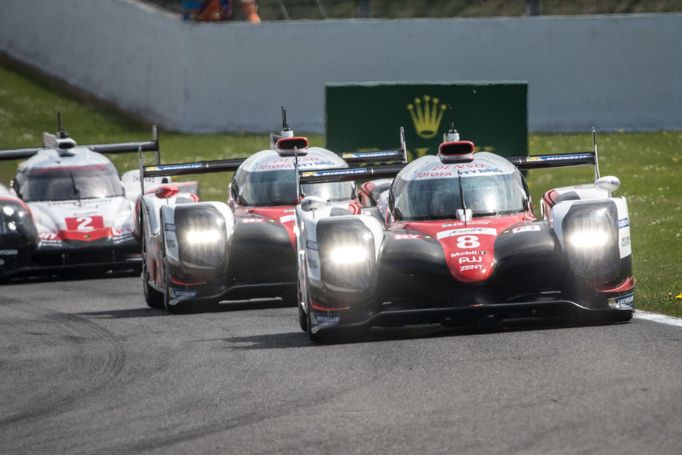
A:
(86, 367)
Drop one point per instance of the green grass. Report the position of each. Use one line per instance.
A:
(648, 165)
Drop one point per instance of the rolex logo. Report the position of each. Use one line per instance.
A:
(426, 115)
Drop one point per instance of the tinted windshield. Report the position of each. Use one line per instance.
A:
(279, 188)
(71, 184)
(440, 198)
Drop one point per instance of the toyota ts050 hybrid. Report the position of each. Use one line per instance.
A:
(456, 239)
(66, 209)
(208, 252)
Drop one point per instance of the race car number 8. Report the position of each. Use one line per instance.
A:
(468, 241)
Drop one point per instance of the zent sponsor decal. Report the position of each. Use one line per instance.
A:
(623, 223)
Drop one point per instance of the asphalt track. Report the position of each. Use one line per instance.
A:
(86, 367)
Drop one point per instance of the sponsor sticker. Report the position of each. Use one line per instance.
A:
(287, 219)
(622, 302)
(466, 231)
(252, 220)
(9, 252)
(183, 293)
(327, 319)
(408, 237)
(169, 227)
(311, 245)
(531, 228)
(467, 253)
(625, 241)
(623, 223)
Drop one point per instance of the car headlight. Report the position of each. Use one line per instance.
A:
(346, 253)
(591, 239)
(201, 236)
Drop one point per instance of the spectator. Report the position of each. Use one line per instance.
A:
(221, 10)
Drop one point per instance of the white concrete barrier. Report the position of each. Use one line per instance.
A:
(617, 72)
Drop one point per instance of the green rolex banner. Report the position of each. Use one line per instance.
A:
(368, 116)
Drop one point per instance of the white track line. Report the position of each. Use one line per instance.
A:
(660, 318)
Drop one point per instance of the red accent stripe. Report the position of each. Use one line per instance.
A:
(88, 236)
(626, 285)
(186, 283)
(318, 307)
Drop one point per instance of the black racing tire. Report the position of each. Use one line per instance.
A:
(302, 318)
(152, 297)
(171, 309)
(316, 337)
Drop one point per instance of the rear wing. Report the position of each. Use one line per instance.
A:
(64, 143)
(350, 174)
(555, 160)
(379, 156)
(197, 167)
(590, 158)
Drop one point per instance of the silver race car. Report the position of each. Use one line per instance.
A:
(66, 209)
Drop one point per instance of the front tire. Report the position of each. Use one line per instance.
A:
(152, 297)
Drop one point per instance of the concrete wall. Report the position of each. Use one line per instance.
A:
(618, 72)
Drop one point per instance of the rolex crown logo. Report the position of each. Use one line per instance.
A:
(426, 114)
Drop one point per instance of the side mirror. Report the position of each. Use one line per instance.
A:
(312, 203)
(166, 191)
(609, 183)
(464, 215)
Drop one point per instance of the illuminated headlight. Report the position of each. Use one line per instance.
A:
(591, 240)
(7, 210)
(202, 237)
(348, 254)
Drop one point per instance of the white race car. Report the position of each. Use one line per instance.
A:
(67, 208)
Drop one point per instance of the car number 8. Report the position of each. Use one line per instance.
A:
(468, 241)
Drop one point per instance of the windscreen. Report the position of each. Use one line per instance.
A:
(61, 184)
(279, 188)
(439, 198)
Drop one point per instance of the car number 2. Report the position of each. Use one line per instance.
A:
(84, 223)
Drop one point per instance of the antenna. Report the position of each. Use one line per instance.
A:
(461, 197)
(596, 153)
(285, 127)
(403, 145)
(452, 117)
(452, 134)
(155, 138)
(61, 134)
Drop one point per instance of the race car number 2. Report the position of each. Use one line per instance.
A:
(84, 223)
